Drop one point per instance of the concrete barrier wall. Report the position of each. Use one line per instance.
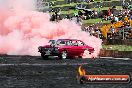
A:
(114, 53)
(117, 42)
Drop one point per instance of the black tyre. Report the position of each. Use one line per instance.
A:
(79, 56)
(63, 55)
(45, 57)
(86, 51)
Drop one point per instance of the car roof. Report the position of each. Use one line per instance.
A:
(70, 39)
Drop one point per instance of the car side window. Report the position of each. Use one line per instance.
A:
(80, 43)
(69, 43)
(61, 43)
(74, 43)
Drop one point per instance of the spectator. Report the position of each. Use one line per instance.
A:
(79, 20)
(109, 12)
(116, 18)
(120, 17)
(59, 17)
(99, 33)
(127, 27)
(53, 17)
(131, 17)
(67, 16)
(112, 30)
(112, 21)
(68, 1)
(80, 13)
(95, 13)
(104, 17)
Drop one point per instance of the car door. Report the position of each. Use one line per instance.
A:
(81, 47)
(74, 48)
(69, 48)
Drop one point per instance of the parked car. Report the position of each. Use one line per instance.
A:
(64, 48)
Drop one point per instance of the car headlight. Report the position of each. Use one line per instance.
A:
(56, 49)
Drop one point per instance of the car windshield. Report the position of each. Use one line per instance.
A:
(52, 42)
(66, 43)
(58, 42)
(61, 42)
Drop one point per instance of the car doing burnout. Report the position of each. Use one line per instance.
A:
(65, 48)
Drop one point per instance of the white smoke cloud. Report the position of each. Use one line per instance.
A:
(22, 32)
(18, 4)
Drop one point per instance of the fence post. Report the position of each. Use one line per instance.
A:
(123, 34)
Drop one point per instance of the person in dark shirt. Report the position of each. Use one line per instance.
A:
(131, 17)
(53, 17)
(67, 16)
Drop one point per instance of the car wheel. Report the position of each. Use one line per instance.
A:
(45, 57)
(79, 56)
(86, 51)
(63, 55)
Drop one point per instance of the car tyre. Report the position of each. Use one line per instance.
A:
(63, 55)
(79, 56)
(86, 50)
(45, 57)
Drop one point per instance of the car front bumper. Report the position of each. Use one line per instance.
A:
(49, 52)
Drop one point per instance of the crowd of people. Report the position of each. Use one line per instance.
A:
(77, 15)
(123, 30)
(75, 1)
(120, 26)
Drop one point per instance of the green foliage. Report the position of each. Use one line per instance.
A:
(94, 21)
(118, 47)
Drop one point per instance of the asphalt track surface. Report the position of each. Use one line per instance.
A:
(34, 72)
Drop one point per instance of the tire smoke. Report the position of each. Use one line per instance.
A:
(22, 29)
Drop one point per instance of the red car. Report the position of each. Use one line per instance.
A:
(64, 48)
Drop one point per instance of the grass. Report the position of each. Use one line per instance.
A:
(118, 47)
(73, 4)
(105, 0)
(59, 0)
(90, 21)
(63, 5)
(96, 9)
(106, 8)
(66, 12)
(94, 21)
(69, 11)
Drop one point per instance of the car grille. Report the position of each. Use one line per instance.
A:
(46, 49)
